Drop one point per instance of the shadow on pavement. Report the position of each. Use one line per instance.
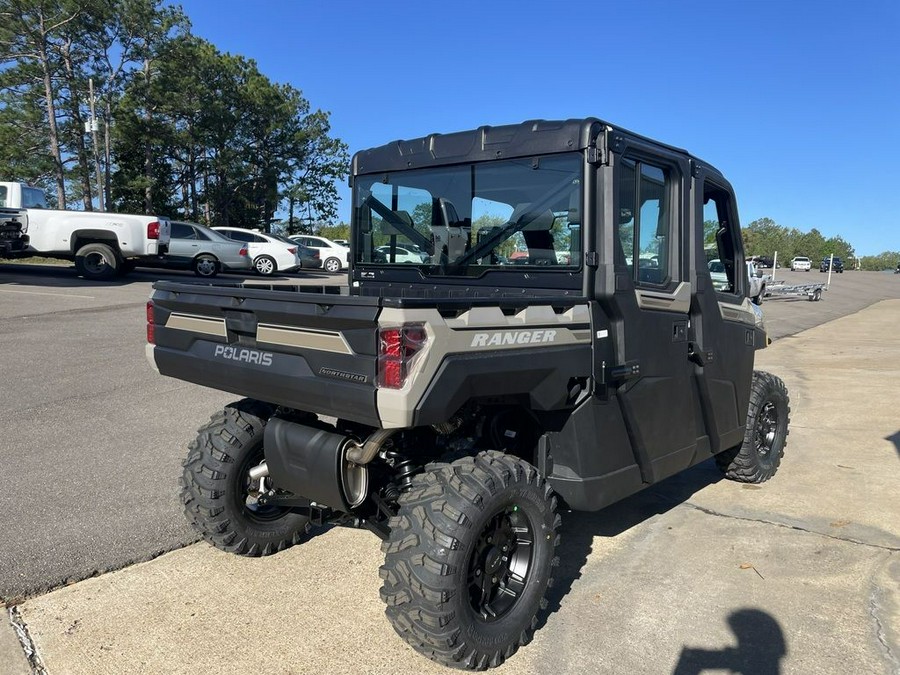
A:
(580, 528)
(65, 276)
(760, 647)
(895, 439)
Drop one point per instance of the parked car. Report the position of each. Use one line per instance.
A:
(837, 266)
(334, 255)
(310, 258)
(269, 253)
(801, 263)
(102, 245)
(402, 254)
(206, 252)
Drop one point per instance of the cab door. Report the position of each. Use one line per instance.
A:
(649, 306)
(723, 334)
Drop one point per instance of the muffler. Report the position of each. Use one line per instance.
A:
(313, 463)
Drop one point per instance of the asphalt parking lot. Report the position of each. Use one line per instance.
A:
(92, 445)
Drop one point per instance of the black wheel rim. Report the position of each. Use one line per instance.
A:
(500, 564)
(95, 263)
(248, 490)
(766, 429)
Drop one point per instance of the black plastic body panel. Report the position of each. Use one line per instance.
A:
(542, 374)
(593, 460)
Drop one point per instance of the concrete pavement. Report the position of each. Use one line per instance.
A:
(799, 575)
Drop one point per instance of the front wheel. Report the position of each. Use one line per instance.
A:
(757, 459)
(758, 300)
(469, 559)
(265, 265)
(219, 497)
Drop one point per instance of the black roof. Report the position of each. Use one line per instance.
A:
(534, 137)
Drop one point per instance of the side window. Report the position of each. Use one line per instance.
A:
(33, 198)
(256, 239)
(238, 236)
(645, 222)
(201, 234)
(719, 239)
(181, 231)
(2, 195)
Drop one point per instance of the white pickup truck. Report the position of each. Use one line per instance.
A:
(102, 245)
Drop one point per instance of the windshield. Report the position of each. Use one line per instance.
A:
(466, 219)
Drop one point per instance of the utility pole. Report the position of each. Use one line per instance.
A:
(94, 127)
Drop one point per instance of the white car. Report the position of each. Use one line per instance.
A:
(269, 253)
(801, 263)
(334, 256)
(402, 254)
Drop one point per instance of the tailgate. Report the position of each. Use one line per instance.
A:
(313, 351)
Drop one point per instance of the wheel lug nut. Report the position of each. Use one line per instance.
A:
(477, 573)
(494, 580)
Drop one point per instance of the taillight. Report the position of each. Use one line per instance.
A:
(396, 349)
(153, 230)
(243, 251)
(316, 253)
(293, 250)
(151, 326)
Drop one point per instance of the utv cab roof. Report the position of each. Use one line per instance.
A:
(527, 139)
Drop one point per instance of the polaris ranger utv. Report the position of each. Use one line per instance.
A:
(530, 327)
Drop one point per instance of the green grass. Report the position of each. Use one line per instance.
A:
(36, 260)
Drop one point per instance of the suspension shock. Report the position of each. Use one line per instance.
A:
(404, 469)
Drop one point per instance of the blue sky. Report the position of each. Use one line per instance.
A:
(797, 102)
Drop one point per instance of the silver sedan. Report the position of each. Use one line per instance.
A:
(204, 251)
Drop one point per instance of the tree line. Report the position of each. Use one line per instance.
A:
(182, 129)
(764, 237)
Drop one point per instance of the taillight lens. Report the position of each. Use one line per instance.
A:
(153, 230)
(151, 326)
(293, 250)
(396, 349)
(243, 251)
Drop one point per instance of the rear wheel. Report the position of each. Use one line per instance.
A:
(265, 265)
(757, 459)
(205, 266)
(220, 498)
(97, 261)
(332, 265)
(469, 559)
